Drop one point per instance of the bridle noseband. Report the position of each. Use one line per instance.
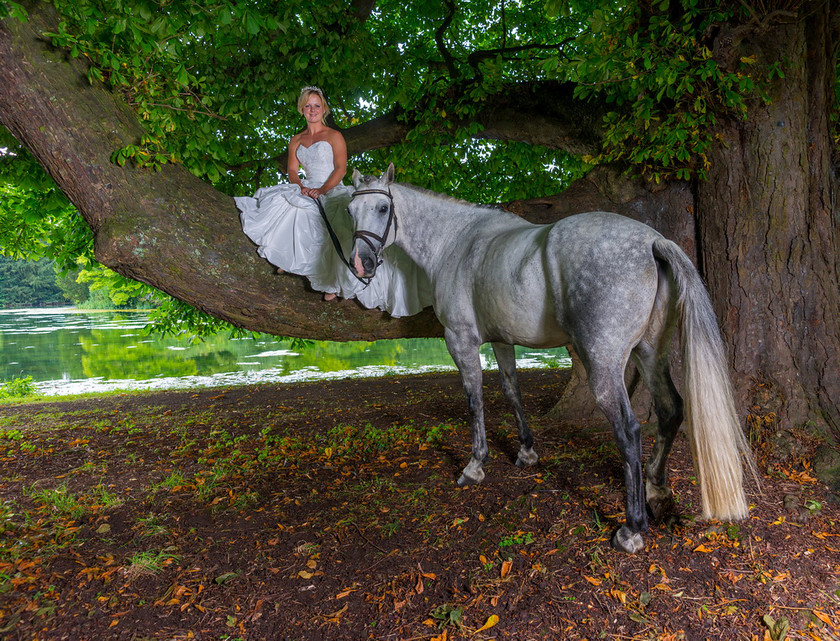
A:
(368, 236)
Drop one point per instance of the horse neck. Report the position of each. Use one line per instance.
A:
(430, 225)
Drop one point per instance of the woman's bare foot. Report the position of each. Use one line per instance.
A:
(280, 271)
(329, 297)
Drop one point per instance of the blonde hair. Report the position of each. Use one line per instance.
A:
(304, 97)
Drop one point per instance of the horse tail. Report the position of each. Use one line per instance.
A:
(718, 444)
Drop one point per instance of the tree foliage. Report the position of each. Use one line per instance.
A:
(28, 284)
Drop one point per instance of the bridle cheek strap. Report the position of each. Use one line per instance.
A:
(368, 236)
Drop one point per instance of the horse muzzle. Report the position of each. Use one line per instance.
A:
(365, 261)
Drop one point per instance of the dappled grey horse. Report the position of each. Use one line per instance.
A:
(611, 287)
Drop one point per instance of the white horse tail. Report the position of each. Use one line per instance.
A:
(718, 443)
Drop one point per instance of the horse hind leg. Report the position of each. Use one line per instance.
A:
(506, 358)
(668, 405)
(607, 385)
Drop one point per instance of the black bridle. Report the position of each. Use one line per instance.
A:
(363, 234)
(366, 236)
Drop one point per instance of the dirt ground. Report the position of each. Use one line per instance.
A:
(330, 511)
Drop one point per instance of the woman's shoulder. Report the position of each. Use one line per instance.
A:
(294, 141)
(336, 139)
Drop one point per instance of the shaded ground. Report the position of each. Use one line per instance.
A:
(329, 511)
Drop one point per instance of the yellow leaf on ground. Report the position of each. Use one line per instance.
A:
(506, 568)
(491, 621)
(823, 617)
(303, 574)
(618, 595)
(702, 548)
(593, 580)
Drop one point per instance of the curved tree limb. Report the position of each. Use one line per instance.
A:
(173, 231)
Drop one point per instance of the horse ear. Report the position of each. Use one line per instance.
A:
(357, 178)
(389, 174)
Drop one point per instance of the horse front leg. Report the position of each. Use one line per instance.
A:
(506, 358)
(464, 351)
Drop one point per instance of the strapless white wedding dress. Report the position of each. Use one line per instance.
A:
(290, 234)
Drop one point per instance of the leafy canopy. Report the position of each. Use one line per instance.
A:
(215, 84)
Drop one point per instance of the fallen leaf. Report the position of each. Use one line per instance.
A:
(702, 548)
(491, 621)
(333, 618)
(303, 574)
(823, 617)
(506, 568)
(227, 577)
(618, 595)
(592, 580)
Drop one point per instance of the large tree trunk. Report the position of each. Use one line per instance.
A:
(768, 231)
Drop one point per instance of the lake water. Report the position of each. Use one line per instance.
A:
(70, 351)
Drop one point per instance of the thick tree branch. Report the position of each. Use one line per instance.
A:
(554, 118)
(175, 232)
(362, 9)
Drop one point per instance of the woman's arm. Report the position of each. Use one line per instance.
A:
(293, 165)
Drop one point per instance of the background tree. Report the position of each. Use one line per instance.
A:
(28, 284)
(149, 114)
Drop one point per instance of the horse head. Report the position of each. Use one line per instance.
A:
(372, 209)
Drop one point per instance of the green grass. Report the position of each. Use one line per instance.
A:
(151, 562)
(60, 501)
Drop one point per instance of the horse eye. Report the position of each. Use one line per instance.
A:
(383, 209)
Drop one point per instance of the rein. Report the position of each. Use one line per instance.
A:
(337, 244)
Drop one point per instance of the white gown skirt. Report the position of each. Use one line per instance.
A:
(290, 234)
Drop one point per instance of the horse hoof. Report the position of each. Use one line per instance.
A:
(660, 501)
(465, 480)
(473, 474)
(527, 457)
(471, 477)
(626, 541)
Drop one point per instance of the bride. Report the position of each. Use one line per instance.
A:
(287, 227)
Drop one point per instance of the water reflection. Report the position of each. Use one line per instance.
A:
(68, 351)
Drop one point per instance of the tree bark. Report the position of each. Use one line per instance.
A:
(768, 231)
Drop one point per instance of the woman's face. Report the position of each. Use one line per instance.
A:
(313, 108)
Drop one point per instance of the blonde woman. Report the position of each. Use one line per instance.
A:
(285, 223)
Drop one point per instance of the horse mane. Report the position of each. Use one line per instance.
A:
(449, 199)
